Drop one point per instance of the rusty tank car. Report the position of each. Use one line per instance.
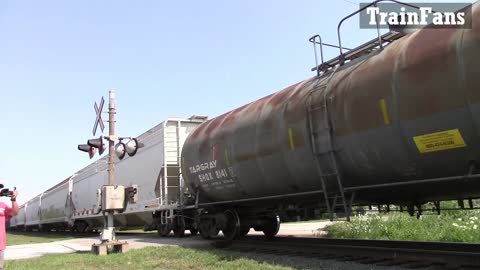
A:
(395, 124)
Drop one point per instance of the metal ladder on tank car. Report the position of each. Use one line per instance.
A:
(321, 131)
(325, 134)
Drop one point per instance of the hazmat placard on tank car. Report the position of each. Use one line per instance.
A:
(438, 141)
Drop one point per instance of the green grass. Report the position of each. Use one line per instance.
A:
(20, 238)
(149, 258)
(450, 226)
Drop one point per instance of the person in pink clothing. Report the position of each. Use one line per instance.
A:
(6, 212)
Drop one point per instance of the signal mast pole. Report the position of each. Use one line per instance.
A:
(111, 141)
(111, 161)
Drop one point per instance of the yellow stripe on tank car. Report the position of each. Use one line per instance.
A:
(383, 107)
(290, 138)
(227, 160)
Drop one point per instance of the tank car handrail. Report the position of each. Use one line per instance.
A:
(313, 41)
(335, 46)
(370, 45)
(352, 53)
(374, 3)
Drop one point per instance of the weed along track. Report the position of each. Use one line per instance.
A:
(408, 254)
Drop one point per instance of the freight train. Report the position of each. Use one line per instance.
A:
(394, 120)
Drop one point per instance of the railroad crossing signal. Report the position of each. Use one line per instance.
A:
(130, 148)
(87, 148)
(98, 121)
(107, 237)
(97, 143)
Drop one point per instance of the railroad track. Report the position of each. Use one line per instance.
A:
(408, 254)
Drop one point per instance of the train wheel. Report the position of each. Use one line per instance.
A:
(211, 233)
(208, 228)
(179, 229)
(193, 232)
(164, 230)
(232, 225)
(271, 227)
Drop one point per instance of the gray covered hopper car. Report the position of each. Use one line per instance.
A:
(153, 172)
(56, 208)
(32, 213)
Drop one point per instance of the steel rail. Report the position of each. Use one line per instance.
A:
(384, 251)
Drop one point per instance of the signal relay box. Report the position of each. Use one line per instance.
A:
(113, 197)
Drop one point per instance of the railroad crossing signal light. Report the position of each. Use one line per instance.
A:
(131, 148)
(120, 150)
(87, 148)
(97, 143)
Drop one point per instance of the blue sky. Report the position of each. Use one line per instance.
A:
(163, 58)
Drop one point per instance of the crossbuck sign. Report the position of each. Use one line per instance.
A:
(98, 121)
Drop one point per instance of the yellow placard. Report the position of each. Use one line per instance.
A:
(439, 141)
